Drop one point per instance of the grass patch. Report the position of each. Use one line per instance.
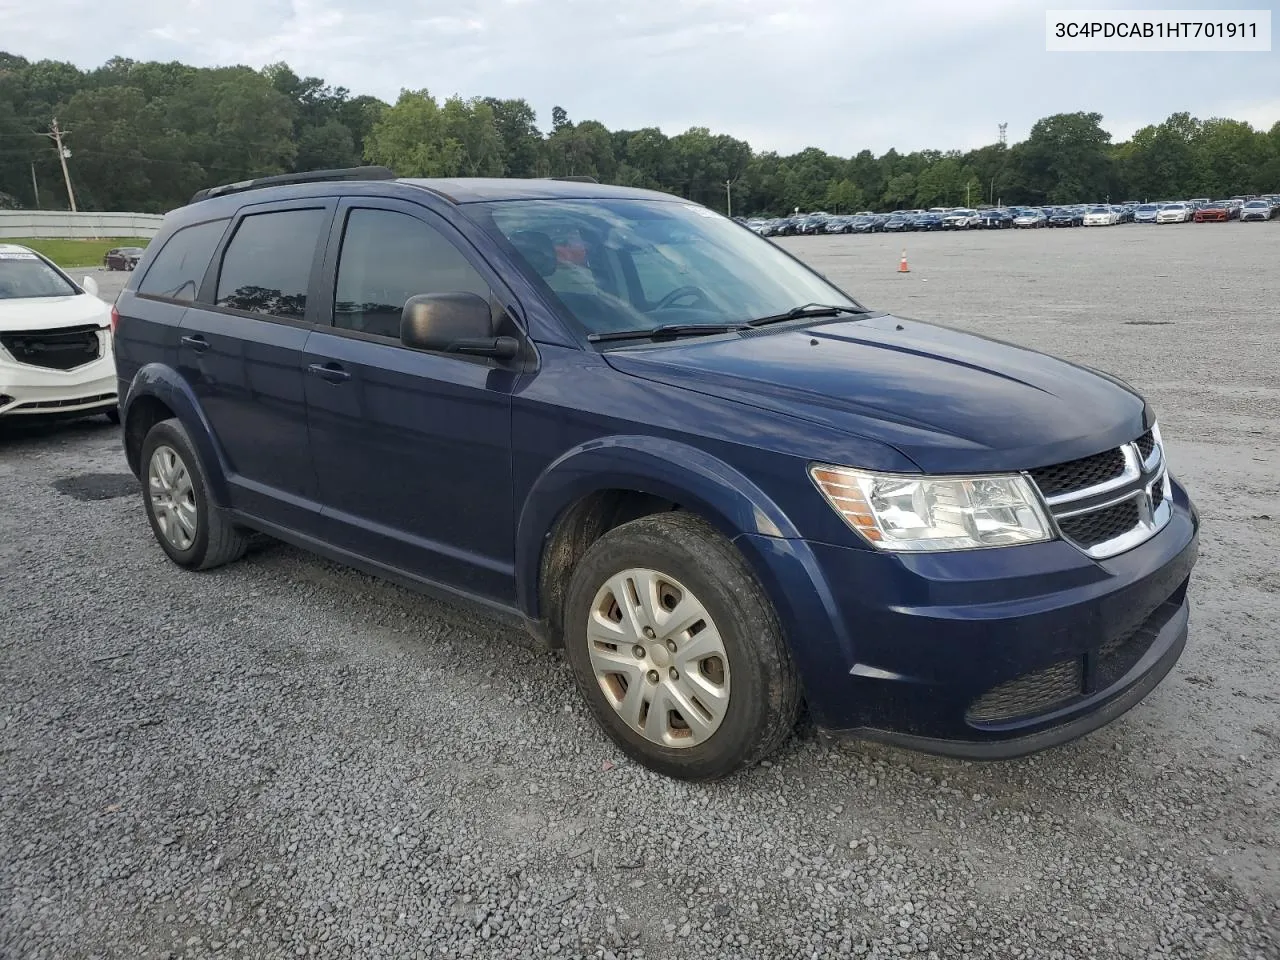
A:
(72, 254)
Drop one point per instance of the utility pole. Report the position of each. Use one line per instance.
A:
(35, 187)
(55, 134)
(728, 197)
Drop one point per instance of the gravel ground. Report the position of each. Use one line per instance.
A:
(285, 758)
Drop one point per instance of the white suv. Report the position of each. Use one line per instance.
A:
(55, 341)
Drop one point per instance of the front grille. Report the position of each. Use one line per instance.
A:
(1078, 474)
(61, 349)
(1146, 443)
(1157, 495)
(1029, 694)
(1091, 529)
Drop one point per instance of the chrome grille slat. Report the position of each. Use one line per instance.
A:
(1109, 502)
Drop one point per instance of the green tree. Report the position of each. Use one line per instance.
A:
(942, 183)
(1067, 159)
(900, 190)
(517, 128)
(1227, 156)
(417, 137)
(648, 153)
(844, 197)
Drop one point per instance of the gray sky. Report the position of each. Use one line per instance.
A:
(842, 75)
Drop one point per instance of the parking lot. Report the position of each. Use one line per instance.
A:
(285, 758)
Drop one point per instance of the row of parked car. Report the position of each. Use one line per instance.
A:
(996, 218)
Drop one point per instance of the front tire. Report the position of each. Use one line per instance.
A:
(188, 525)
(677, 650)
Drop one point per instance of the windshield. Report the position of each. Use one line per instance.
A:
(24, 275)
(638, 264)
(1099, 210)
(1148, 208)
(1175, 206)
(962, 213)
(1256, 203)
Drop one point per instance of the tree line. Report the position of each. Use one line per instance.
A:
(144, 136)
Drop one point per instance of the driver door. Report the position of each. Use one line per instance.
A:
(412, 450)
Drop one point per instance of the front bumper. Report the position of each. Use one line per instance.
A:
(31, 391)
(984, 653)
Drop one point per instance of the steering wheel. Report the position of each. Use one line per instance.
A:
(680, 293)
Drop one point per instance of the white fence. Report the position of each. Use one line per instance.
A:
(62, 223)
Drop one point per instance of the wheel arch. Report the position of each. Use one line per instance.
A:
(597, 486)
(157, 393)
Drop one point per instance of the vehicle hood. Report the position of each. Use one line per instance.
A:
(951, 401)
(37, 313)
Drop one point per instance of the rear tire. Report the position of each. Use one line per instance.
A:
(192, 529)
(698, 636)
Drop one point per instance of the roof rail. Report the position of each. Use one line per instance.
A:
(576, 179)
(309, 176)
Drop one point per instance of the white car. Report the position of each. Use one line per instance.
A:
(1101, 216)
(55, 341)
(1256, 210)
(1174, 213)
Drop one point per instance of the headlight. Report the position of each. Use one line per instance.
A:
(917, 513)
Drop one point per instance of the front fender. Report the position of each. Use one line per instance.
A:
(669, 469)
(164, 384)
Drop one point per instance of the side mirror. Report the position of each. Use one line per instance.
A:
(90, 286)
(453, 323)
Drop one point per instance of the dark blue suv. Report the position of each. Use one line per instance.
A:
(654, 439)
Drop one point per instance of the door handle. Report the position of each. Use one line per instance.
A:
(196, 343)
(329, 371)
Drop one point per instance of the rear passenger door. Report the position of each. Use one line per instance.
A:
(412, 449)
(241, 351)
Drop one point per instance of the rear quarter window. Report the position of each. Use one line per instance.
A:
(179, 267)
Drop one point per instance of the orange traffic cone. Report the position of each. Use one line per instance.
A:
(902, 266)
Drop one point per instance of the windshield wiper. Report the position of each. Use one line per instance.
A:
(806, 311)
(667, 331)
(672, 330)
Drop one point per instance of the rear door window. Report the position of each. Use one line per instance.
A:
(179, 268)
(267, 266)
